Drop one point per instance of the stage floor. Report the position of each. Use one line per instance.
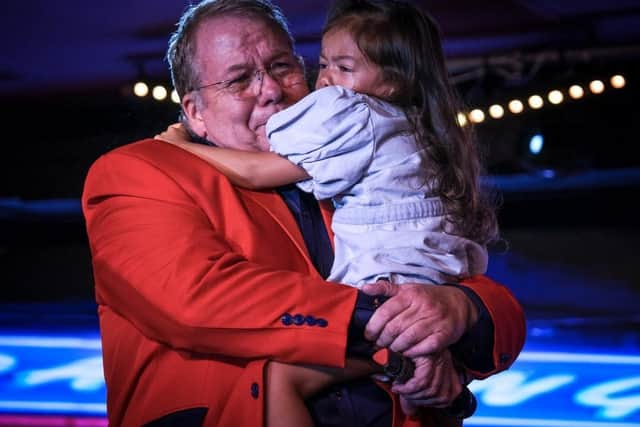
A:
(572, 372)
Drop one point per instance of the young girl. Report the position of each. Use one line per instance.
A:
(378, 137)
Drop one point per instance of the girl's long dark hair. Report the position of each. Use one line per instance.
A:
(405, 43)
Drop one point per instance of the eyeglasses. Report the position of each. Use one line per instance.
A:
(286, 71)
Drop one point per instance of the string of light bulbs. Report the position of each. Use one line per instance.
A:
(536, 101)
(475, 115)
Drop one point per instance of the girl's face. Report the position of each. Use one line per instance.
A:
(343, 64)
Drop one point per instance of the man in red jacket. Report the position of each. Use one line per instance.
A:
(200, 283)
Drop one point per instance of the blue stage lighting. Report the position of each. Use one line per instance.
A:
(536, 143)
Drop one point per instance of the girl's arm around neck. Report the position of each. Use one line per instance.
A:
(254, 170)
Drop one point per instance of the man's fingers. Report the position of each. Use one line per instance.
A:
(383, 320)
(416, 403)
(419, 319)
(435, 382)
(412, 345)
(412, 333)
(408, 407)
(393, 328)
(381, 288)
(422, 380)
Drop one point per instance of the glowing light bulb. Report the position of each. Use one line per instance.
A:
(536, 102)
(174, 97)
(476, 116)
(159, 93)
(516, 106)
(496, 111)
(576, 91)
(555, 97)
(140, 89)
(618, 81)
(596, 86)
(462, 119)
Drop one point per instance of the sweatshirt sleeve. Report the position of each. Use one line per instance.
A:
(329, 133)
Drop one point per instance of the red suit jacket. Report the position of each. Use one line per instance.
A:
(192, 279)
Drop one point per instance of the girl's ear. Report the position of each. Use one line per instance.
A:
(386, 91)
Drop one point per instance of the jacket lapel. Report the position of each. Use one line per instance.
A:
(271, 202)
(326, 209)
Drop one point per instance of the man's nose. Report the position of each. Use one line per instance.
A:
(270, 89)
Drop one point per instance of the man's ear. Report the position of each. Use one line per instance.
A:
(191, 107)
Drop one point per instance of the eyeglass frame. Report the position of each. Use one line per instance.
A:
(298, 65)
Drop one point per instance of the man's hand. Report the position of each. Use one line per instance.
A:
(435, 383)
(419, 320)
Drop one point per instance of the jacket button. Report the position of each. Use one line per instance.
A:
(255, 390)
(322, 323)
(286, 319)
(298, 319)
(311, 321)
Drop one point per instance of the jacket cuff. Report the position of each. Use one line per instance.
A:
(475, 348)
(357, 345)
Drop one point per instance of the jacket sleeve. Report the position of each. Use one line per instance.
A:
(494, 343)
(162, 263)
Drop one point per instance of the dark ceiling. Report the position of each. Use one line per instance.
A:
(74, 44)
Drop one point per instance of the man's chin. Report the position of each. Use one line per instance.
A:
(262, 142)
(263, 146)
